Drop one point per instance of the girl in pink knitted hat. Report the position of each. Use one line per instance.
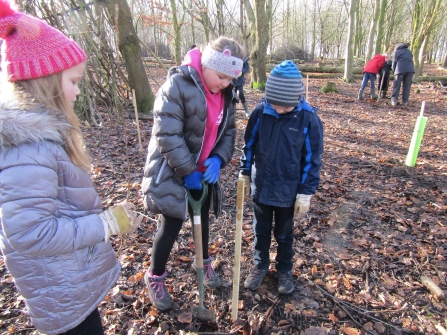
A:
(54, 235)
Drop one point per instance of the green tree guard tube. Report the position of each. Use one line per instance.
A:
(417, 138)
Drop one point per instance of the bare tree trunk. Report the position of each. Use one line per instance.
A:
(372, 31)
(220, 17)
(252, 37)
(357, 30)
(129, 47)
(259, 51)
(421, 57)
(314, 31)
(380, 27)
(177, 37)
(444, 63)
(349, 54)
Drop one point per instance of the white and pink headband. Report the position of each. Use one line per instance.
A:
(222, 62)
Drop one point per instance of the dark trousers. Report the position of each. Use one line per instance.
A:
(240, 91)
(404, 79)
(384, 87)
(169, 229)
(92, 325)
(283, 232)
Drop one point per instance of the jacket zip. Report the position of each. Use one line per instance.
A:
(90, 254)
(160, 173)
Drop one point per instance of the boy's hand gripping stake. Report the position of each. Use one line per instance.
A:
(237, 246)
(199, 312)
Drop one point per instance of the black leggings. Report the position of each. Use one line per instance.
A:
(169, 230)
(240, 92)
(90, 326)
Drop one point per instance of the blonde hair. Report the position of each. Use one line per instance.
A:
(48, 91)
(223, 42)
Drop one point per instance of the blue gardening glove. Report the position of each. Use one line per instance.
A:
(192, 182)
(212, 172)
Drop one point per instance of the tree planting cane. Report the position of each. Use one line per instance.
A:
(237, 247)
(381, 85)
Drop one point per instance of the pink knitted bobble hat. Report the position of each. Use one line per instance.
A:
(33, 49)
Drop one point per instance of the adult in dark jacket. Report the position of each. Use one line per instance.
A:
(192, 139)
(369, 74)
(282, 160)
(403, 67)
(384, 78)
(239, 83)
(54, 235)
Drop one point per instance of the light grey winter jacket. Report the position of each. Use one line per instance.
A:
(51, 235)
(180, 113)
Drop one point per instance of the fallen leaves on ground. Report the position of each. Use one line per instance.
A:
(375, 227)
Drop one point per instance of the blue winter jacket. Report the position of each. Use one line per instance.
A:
(285, 151)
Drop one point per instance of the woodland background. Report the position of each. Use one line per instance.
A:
(126, 38)
(375, 227)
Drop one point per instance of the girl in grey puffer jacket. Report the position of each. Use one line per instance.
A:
(192, 139)
(54, 234)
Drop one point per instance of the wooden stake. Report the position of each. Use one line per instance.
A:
(307, 88)
(237, 247)
(134, 100)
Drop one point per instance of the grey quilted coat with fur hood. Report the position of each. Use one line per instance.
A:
(180, 113)
(51, 235)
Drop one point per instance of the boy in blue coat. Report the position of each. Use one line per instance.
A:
(282, 160)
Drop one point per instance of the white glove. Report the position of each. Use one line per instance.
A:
(247, 183)
(121, 219)
(302, 204)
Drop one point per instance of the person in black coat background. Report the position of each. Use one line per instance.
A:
(384, 78)
(239, 85)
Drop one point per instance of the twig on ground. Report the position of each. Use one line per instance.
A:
(155, 220)
(360, 310)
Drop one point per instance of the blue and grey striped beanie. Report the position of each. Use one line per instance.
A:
(284, 85)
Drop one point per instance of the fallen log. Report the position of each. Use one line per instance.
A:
(325, 72)
(320, 69)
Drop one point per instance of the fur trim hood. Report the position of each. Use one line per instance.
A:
(20, 125)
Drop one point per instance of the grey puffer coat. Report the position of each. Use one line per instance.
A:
(52, 237)
(180, 113)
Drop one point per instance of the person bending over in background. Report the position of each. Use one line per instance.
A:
(370, 72)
